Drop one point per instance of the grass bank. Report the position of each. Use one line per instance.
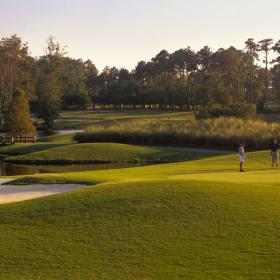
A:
(22, 149)
(109, 153)
(222, 133)
(59, 138)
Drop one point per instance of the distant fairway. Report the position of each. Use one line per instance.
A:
(195, 220)
(82, 119)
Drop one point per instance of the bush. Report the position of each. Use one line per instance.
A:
(260, 107)
(222, 133)
(241, 110)
(235, 110)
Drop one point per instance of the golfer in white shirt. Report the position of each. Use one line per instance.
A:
(242, 157)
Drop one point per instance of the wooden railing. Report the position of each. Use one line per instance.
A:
(5, 140)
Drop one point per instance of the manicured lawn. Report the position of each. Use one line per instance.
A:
(108, 152)
(124, 114)
(193, 220)
(59, 138)
(82, 119)
(216, 169)
(21, 149)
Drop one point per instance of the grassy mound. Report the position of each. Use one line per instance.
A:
(22, 149)
(59, 138)
(218, 133)
(145, 230)
(110, 153)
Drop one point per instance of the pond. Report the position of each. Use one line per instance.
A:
(10, 169)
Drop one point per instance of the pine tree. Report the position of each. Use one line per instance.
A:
(18, 120)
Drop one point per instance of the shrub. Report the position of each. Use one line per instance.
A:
(222, 133)
(235, 110)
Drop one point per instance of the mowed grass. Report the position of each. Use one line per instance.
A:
(145, 230)
(83, 119)
(109, 153)
(59, 138)
(21, 149)
(193, 220)
(99, 115)
(217, 169)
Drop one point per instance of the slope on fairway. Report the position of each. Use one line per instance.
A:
(192, 220)
(22, 149)
(219, 169)
(145, 230)
(109, 152)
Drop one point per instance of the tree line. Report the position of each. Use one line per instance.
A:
(182, 80)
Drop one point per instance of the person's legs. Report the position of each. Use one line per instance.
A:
(274, 159)
(241, 165)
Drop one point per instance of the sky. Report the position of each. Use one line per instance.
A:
(122, 32)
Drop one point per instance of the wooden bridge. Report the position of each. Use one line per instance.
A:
(7, 140)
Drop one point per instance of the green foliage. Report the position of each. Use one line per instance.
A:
(18, 119)
(242, 110)
(218, 133)
(182, 80)
(47, 105)
(48, 88)
(75, 95)
(75, 102)
(16, 70)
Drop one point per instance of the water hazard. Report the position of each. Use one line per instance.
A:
(10, 169)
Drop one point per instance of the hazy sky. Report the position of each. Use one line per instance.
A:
(122, 32)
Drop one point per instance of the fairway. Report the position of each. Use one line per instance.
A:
(83, 119)
(194, 220)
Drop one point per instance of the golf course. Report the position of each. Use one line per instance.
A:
(196, 217)
(139, 140)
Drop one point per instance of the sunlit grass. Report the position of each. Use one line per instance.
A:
(220, 132)
(105, 153)
(193, 220)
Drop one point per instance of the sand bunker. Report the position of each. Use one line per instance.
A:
(12, 193)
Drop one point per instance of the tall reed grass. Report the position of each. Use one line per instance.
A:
(221, 132)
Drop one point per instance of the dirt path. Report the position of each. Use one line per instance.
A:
(12, 193)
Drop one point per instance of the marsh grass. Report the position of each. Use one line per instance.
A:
(225, 133)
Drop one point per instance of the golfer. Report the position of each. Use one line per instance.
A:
(241, 157)
(274, 153)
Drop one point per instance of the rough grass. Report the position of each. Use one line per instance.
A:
(110, 153)
(220, 132)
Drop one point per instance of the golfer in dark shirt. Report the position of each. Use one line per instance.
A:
(274, 153)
